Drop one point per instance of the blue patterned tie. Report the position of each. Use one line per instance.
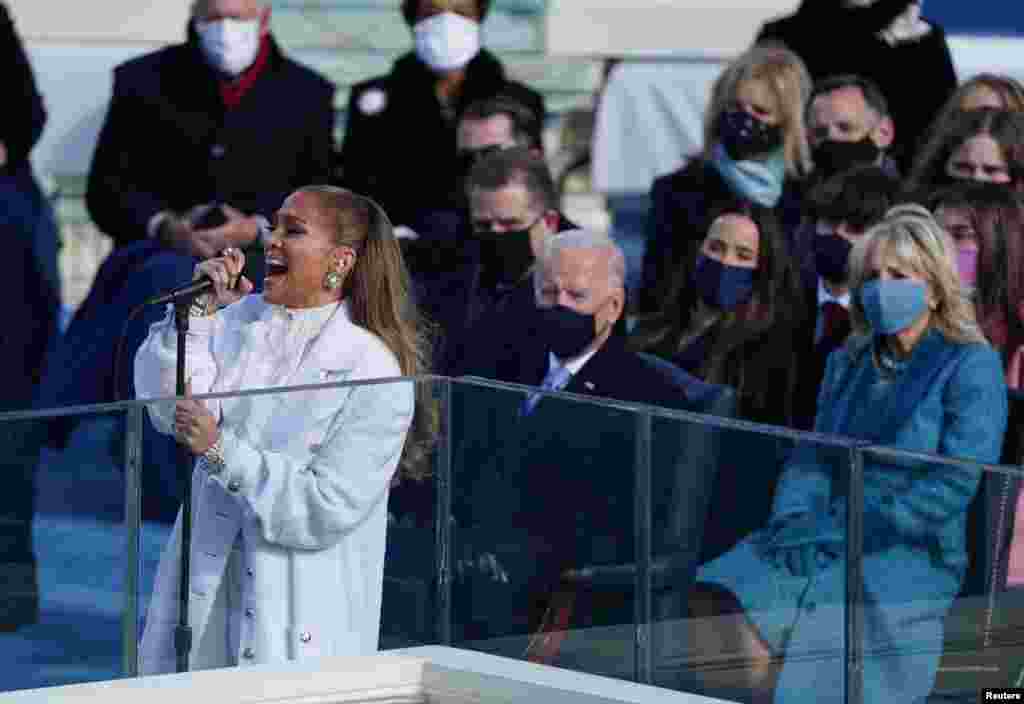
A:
(556, 380)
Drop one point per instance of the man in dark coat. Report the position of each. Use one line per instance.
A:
(545, 486)
(399, 145)
(885, 41)
(442, 241)
(201, 142)
(513, 210)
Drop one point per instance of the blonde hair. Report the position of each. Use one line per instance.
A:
(787, 77)
(378, 292)
(911, 235)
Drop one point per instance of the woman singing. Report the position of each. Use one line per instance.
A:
(289, 490)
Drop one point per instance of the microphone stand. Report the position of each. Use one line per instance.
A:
(183, 631)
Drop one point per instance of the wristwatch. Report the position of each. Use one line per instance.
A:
(213, 459)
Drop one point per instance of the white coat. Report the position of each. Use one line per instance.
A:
(303, 495)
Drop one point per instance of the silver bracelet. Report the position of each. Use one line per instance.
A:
(203, 306)
(213, 459)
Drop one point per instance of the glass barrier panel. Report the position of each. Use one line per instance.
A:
(942, 611)
(304, 541)
(543, 499)
(747, 567)
(63, 541)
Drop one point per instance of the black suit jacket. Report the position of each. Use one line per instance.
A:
(554, 490)
(399, 146)
(168, 143)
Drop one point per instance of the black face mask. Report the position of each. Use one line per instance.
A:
(832, 157)
(831, 256)
(566, 332)
(505, 256)
(744, 136)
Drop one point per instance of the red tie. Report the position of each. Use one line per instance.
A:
(836, 326)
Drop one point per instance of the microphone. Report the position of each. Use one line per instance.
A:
(198, 287)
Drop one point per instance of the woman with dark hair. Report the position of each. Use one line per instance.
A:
(974, 145)
(735, 320)
(735, 306)
(986, 223)
(755, 151)
(415, 108)
(290, 491)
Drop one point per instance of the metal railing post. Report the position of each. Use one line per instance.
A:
(443, 516)
(133, 428)
(642, 645)
(854, 612)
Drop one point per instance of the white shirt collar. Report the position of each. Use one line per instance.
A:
(825, 297)
(573, 365)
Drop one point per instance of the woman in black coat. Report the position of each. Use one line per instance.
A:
(755, 151)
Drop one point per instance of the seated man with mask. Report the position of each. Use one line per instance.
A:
(545, 484)
(848, 123)
(842, 209)
(513, 207)
(441, 242)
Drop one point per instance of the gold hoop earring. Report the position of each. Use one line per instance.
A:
(332, 281)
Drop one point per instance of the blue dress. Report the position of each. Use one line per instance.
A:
(950, 400)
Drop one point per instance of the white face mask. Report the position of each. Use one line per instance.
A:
(447, 41)
(229, 45)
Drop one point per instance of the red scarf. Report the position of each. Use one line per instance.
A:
(232, 92)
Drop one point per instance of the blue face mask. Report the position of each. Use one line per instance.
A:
(721, 285)
(894, 305)
(757, 180)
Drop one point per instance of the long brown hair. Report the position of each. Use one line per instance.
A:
(378, 293)
(997, 215)
(776, 306)
(1006, 128)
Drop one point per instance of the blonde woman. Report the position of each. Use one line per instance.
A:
(755, 151)
(290, 491)
(916, 375)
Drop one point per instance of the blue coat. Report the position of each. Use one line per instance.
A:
(950, 400)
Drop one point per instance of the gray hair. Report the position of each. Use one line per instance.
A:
(581, 239)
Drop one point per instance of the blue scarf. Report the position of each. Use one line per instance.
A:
(758, 181)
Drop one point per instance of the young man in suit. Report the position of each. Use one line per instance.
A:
(513, 209)
(842, 209)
